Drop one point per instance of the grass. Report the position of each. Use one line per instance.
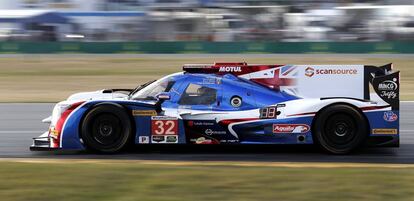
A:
(51, 78)
(136, 181)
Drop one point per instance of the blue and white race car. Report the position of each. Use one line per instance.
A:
(338, 107)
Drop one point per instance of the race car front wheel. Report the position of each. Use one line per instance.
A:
(106, 128)
(340, 129)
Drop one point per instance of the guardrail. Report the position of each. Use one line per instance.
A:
(206, 47)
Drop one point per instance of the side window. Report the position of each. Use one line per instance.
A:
(198, 95)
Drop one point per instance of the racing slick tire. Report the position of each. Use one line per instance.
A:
(106, 128)
(340, 129)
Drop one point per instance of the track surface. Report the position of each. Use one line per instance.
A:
(19, 122)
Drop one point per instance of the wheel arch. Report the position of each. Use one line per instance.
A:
(122, 107)
(339, 103)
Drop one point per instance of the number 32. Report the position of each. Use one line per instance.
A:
(167, 127)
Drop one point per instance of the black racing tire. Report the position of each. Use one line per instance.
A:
(340, 129)
(106, 128)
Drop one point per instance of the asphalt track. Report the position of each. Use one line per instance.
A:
(19, 122)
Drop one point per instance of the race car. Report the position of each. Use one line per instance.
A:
(338, 107)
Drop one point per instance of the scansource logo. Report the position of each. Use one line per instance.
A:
(309, 71)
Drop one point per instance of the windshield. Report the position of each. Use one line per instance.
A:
(150, 91)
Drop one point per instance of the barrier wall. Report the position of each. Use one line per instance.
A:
(206, 47)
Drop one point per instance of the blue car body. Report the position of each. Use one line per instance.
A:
(241, 111)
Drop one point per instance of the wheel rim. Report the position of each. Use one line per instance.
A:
(106, 129)
(340, 130)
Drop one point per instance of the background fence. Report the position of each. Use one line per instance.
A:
(206, 47)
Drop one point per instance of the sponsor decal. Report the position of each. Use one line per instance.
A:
(309, 71)
(143, 139)
(388, 89)
(290, 128)
(203, 140)
(388, 94)
(390, 116)
(209, 132)
(384, 131)
(229, 141)
(236, 101)
(158, 138)
(218, 80)
(163, 118)
(164, 125)
(389, 85)
(212, 132)
(164, 139)
(184, 107)
(203, 123)
(281, 105)
(144, 113)
(200, 123)
(53, 132)
(209, 81)
(230, 69)
(171, 139)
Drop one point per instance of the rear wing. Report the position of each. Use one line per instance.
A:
(316, 81)
(385, 83)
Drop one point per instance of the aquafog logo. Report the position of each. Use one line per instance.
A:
(290, 128)
(309, 71)
(230, 69)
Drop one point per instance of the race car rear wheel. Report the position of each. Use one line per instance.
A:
(340, 129)
(106, 128)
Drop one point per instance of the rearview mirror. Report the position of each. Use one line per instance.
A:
(164, 96)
